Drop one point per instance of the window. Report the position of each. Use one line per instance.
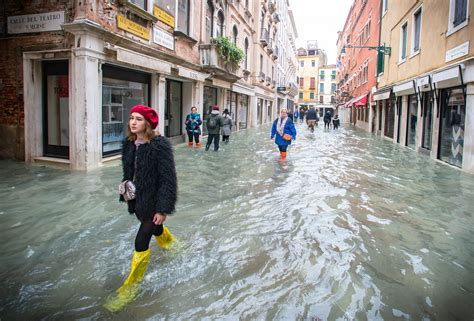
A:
(403, 42)
(209, 21)
(183, 16)
(321, 99)
(261, 63)
(412, 120)
(416, 30)
(311, 95)
(365, 74)
(427, 111)
(302, 63)
(457, 15)
(301, 95)
(333, 75)
(220, 25)
(234, 34)
(246, 48)
(313, 63)
(460, 12)
(333, 99)
(333, 88)
(321, 75)
(301, 82)
(246, 4)
(167, 5)
(142, 4)
(312, 83)
(321, 88)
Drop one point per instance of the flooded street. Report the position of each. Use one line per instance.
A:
(349, 227)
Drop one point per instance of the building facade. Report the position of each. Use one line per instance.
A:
(309, 60)
(326, 89)
(287, 63)
(357, 66)
(425, 90)
(72, 70)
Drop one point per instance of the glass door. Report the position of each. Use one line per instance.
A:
(56, 109)
(427, 106)
(173, 123)
(412, 120)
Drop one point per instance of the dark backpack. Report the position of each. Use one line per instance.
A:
(213, 122)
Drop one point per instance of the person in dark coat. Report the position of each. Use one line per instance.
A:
(302, 114)
(193, 121)
(214, 124)
(312, 118)
(227, 128)
(327, 119)
(148, 163)
(336, 122)
(284, 132)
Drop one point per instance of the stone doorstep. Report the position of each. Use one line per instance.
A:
(51, 161)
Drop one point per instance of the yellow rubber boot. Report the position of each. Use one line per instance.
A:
(129, 289)
(165, 239)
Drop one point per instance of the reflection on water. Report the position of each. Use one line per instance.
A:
(350, 227)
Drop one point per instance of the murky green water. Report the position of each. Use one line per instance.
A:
(350, 227)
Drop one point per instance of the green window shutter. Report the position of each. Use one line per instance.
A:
(380, 62)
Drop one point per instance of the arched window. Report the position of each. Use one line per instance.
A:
(220, 24)
(235, 32)
(246, 47)
(209, 21)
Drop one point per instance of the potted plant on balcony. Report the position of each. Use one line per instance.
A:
(228, 51)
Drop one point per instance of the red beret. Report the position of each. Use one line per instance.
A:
(149, 113)
(215, 107)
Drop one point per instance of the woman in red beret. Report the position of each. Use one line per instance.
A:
(149, 187)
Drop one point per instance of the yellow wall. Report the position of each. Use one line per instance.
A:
(433, 41)
(307, 72)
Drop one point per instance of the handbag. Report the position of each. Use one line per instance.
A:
(127, 189)
(286, 137)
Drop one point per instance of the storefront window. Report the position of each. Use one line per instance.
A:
(121, 90)
(412, 120)
(259, 111)
(389, 116)
(428, 104)
(209, 100)
(270, 111)
(399, 113)
(453, 113)
(243, 110)
(232, 106)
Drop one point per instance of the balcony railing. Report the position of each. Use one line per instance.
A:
(264, 38)
(275, 53)
(270, 46)
(212, 62)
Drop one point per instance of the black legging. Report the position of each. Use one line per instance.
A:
(145, 232)
(195, 135)
(282, 148)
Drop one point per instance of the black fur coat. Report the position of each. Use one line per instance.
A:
(155, 178)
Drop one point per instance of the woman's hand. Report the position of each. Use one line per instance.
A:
(159, 218)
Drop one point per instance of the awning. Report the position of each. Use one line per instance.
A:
(361, 102)
(423, 83)
(243, 90)
(130, 57)
(406, 88)
(383, 94)
(448, 78)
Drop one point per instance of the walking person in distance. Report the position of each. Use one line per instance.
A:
(214, 124)
(227, 128)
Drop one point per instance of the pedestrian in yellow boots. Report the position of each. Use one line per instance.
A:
(149, 186)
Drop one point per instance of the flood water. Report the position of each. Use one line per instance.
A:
(349, 227)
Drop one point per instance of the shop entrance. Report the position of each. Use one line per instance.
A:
(174, 103)
(56, 109)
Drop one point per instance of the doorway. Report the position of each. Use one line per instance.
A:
(56, 109)
(173, 112)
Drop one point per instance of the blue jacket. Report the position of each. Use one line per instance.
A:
(193, 122)
(289, 129)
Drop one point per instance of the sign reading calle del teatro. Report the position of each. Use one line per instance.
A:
(28, 23)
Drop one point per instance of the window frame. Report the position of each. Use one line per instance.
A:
(401, 58)
(187, 18)
(451, 28)
(413, 52)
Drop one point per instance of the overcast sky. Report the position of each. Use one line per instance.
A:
(320, 20)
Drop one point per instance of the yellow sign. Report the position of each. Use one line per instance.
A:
(133, 27)
(163, 16)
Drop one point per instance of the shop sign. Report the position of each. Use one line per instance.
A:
(163, 38)
(457, 52)
(163, 16)
(133, 27)
(50, 21)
